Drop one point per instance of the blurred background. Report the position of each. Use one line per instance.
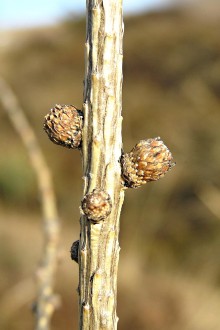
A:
(169, 272)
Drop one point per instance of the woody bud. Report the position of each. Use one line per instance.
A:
(97, 205)
(63, 125)
(148, 161)
(74, 251)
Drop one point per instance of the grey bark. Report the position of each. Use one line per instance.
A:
(101, 152)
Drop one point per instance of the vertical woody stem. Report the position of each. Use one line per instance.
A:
(101, 151)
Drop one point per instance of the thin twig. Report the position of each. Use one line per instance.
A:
(46, 300)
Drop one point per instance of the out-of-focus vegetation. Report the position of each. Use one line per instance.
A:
(170, 230)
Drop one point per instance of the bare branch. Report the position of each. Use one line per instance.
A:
(46, 300)
(101, 152)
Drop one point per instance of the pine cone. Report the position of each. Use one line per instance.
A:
(148, 161)
(97, 205)
(63, 125)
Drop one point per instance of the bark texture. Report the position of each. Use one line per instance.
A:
(101, 152)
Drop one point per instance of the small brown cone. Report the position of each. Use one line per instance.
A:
(148, 161)
(63, 125)
(97, 205)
